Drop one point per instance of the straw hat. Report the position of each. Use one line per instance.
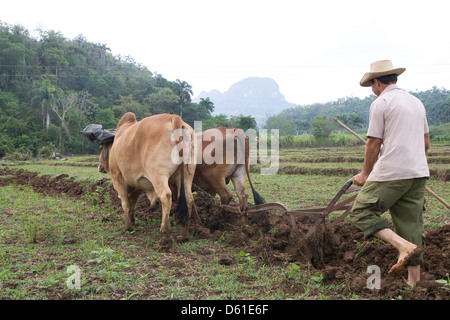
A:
(379, 69)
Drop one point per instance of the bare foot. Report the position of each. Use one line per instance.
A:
(413, 275)
(405, 258)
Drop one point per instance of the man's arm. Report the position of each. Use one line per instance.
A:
(427, 142)
(373, 147)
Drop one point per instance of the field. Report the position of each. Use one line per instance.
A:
(61, 221)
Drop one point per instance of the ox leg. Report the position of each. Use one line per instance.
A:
(224, 193)
(213, 186)
(152, 197)
(123, 194)
(241, 190)
(220, 188)
(165, 196)
(133, 196)
(184, 232)
(126, 206)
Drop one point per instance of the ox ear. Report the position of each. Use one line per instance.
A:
(97, 134)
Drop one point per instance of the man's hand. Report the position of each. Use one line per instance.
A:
(360, 179)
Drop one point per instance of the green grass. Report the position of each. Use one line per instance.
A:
(79, 173)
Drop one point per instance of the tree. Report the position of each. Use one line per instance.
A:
(42, 93)
(86, 108)
(61, 102)
(220, 120)
(106, 118)
(51, 51)
(207, 104)
(321, 128)
(184, 91)
(163, 100)
(16, 58)
(245, 122)
(352, 120)
(302, 126)
(129, 104)
(355, 120)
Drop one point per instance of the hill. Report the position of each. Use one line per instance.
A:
(258, 97)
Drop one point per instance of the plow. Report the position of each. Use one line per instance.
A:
(319, 215)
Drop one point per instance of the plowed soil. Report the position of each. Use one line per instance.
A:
(338, 254)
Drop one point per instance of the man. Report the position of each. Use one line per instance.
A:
(395, 169)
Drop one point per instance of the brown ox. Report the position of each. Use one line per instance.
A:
(141, 158)
(214, 170)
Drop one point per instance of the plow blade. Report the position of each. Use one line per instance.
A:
(320, 213)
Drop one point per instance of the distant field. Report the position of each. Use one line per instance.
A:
(347, 161)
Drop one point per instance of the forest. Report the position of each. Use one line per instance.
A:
(51, 87)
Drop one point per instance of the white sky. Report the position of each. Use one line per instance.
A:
(317, 51)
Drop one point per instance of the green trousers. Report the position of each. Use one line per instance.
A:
(405, 201)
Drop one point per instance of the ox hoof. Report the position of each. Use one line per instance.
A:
(201, 232)
(128, 228)
(182, 238)
(165, 242)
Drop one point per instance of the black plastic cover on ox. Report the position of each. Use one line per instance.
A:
(97, 134)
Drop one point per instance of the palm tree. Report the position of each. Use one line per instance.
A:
(43, 91)
(184, 91)
(208, 104)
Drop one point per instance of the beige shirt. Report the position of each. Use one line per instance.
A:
(399, 119)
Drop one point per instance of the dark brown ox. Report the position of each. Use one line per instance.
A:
(143, 157)
(214, 170)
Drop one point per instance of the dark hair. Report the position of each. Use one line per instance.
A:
(387, 79)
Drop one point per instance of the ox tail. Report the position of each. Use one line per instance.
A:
(182, 212)
(256, 196)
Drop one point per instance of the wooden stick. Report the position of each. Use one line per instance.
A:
(437, 197)
(350, 130)
(362, 139)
